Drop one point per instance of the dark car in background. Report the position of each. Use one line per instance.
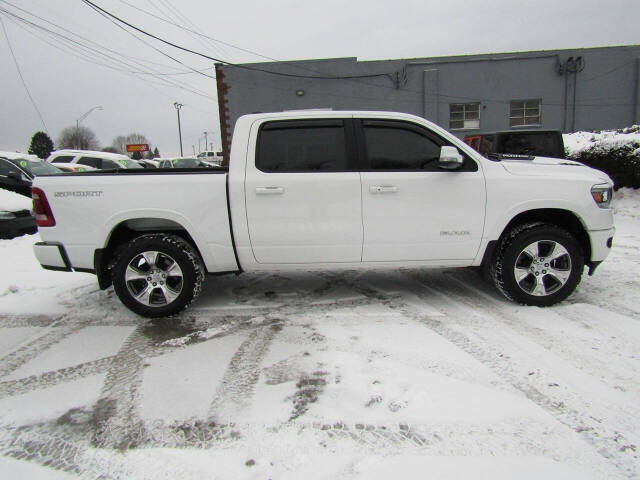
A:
(15, 215)
(538, 143)
(16, 174)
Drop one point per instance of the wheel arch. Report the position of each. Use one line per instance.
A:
(127, 230)
(556, 216)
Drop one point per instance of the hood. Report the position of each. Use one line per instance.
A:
(543, 166)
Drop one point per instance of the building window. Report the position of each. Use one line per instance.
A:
(464, 116)
(524, 112)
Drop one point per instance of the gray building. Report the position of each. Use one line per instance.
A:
(568, 90)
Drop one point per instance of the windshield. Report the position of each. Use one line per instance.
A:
(130, 164)
(186, 163)
(36, 168)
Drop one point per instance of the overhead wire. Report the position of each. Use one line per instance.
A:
(116, 63)
(24, 83)
(308, 77)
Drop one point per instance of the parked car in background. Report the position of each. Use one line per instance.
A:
(183, 162)
(539, 143)
(89, 158)
(16, 174)
(13, 155)
(15, 215)
(148, 163)
(210, 156)
(73, 167)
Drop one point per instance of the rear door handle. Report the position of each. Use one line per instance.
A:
(269, 190)
(383, 189)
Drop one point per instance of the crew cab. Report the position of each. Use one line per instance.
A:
(329, 190)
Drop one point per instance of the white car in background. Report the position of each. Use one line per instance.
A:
(90, 158)
(182, 162)
(212, 157)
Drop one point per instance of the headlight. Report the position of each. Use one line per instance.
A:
(602, 195)
(6, 215)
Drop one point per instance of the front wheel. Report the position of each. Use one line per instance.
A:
(538, 264)
(157, 275)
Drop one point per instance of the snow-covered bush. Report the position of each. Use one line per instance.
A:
(615, 152)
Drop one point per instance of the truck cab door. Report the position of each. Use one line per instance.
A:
(413, 210)
(303, 193)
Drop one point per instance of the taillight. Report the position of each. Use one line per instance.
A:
(41, 209)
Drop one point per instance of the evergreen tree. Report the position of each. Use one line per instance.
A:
(41, 145)
(156, 152)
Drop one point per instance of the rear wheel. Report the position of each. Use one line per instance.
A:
(538, 264)
(157, 275)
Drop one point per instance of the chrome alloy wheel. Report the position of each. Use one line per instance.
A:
(154, 279)
(542, 268)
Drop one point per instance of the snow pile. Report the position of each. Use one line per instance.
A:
(605, 140)
(626, 201)
(12, 202)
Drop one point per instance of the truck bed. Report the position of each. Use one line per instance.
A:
(88, 207)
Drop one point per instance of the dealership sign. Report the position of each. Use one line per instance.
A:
(138, 147)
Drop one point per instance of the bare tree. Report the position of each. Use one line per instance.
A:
(80, 138)
(121, 141)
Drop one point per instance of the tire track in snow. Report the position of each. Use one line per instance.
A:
(606, 441)
(235, 392)
(116, 419)
(52, 335)
(49, 379)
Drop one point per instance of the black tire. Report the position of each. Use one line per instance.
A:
(542, 286)
(186, 286)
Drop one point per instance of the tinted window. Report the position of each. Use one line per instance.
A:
(400, 147)
(6, 167)
(302, 146)
(542, 144)
(108, 164)
(90, 161)
(35, 168)
(63, 159)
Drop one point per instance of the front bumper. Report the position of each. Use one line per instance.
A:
(52, 256)
(601, 243)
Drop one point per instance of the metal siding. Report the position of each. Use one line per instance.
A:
(607, 89)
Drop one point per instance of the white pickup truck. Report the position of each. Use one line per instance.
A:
(329, 190)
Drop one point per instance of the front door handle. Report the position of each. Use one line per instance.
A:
(383, 189)
(269, 190)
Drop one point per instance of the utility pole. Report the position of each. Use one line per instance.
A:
(178, 106)
(194, 150)
(205, 140)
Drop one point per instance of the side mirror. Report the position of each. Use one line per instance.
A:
(450, 158)
(18, 177)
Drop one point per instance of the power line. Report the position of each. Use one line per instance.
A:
(157, 49)
(309, 77)
(219, 60)
(15, 61)
(122, 65)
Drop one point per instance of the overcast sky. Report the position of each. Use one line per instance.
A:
(65, 85)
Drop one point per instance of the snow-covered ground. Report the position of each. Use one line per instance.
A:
(376, 375)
